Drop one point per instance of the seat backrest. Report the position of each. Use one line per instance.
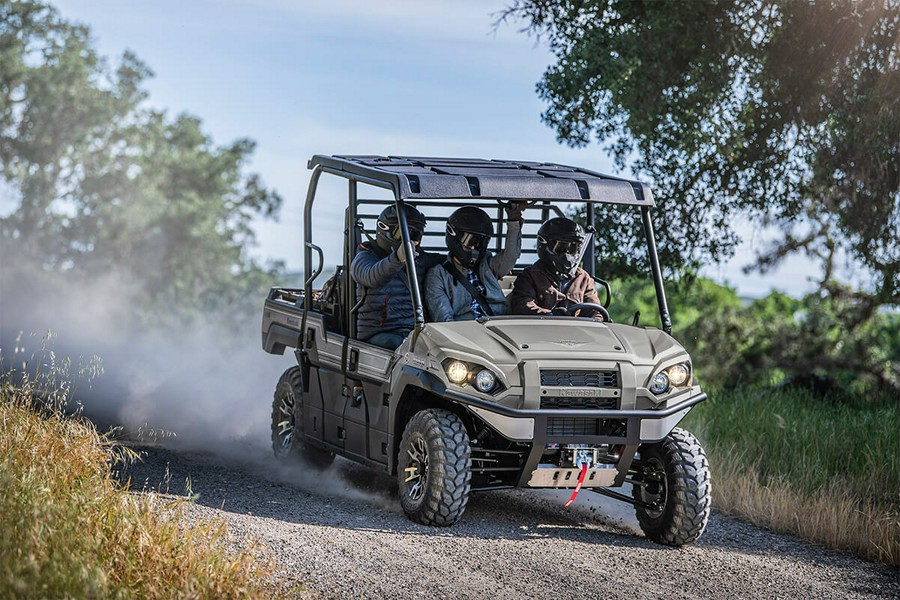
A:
(506, 284)
(329, 300)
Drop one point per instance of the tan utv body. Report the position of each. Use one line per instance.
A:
(508, 401)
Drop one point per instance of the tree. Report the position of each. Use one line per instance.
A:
(781, 112)
(109, 188)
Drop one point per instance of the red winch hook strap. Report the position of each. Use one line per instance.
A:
(578, 485)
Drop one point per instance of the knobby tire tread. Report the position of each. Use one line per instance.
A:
(447, 492)
(689, 490)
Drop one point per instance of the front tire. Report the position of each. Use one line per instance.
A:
(434, 468)
(675, 479)
(287, 423)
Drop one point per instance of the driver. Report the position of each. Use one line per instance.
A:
(555, 282)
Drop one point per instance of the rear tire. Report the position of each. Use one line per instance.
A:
(287, 423)
(434, 467)
(676, 477)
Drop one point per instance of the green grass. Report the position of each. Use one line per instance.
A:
(69, 531)
(823, 469)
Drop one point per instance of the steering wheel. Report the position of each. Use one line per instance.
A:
(591, 307)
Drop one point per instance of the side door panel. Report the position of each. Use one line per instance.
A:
(313, 413)
(368, 368)
(347, 407)
(334, 403)
(323, 415)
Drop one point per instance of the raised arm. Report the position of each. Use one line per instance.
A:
(370, 271)
(503, 263)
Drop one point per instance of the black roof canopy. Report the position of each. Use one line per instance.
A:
(424, 178)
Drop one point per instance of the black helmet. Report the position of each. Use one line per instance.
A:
(469, 229)
(387, 234)
(561, 242)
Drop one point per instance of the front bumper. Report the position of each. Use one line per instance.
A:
(614, 426)
(626, 428)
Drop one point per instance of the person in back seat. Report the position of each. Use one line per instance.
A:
(466, 286)
(386, 316)
(555, 281)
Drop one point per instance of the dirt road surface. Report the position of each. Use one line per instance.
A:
(341, 534)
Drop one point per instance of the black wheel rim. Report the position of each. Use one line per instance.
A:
(285, 422)
(416, 470)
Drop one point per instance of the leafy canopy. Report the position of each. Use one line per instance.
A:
(106, 187)
(779, 112)
(776, 339)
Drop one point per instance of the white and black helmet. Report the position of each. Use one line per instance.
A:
(469, 229)
(388, 235)
(561, 243)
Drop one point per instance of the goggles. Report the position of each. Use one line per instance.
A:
(564, 247)
(472, 240)
(415, 235)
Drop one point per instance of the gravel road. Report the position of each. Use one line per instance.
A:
(341, 534)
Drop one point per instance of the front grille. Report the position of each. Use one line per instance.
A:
(569, 378)
(580, 403)
(577, 426)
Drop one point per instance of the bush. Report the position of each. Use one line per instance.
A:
(818, 342)
(831, 341)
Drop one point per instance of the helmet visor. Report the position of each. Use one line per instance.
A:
(568, 252)
(565, 247)
(415, 235)
(472, 240)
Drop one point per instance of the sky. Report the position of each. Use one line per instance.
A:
(405, 77)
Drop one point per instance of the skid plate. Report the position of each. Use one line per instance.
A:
(568, 478)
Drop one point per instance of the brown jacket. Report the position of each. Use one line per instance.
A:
(536, 291)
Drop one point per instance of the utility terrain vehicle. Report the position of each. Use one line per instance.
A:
(507, 401)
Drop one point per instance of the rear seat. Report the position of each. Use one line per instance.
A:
(506, 284)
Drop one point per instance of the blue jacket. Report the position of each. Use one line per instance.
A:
(382, 278)
(447, 300)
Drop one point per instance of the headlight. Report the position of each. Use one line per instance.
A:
(660, 383)
(457, 372)
(463, 373)
(679, 374)
(485, 381)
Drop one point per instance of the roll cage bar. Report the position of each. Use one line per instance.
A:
(452, 182)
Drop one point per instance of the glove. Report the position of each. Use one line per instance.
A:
(514, 210)
(559, 311)
(401, 254)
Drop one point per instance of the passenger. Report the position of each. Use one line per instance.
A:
(467, 286)
(386, 316)
(555, 281)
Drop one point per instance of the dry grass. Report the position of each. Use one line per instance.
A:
(70, 532)
(832, 517)
(825, 471)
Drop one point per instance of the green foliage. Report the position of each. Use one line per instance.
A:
(689, 299)
(777, 112)
(824, 471)
(808, 342)
(794, 436)
(108, 189)
(805, 341)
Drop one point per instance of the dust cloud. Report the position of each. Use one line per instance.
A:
(204, 387)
